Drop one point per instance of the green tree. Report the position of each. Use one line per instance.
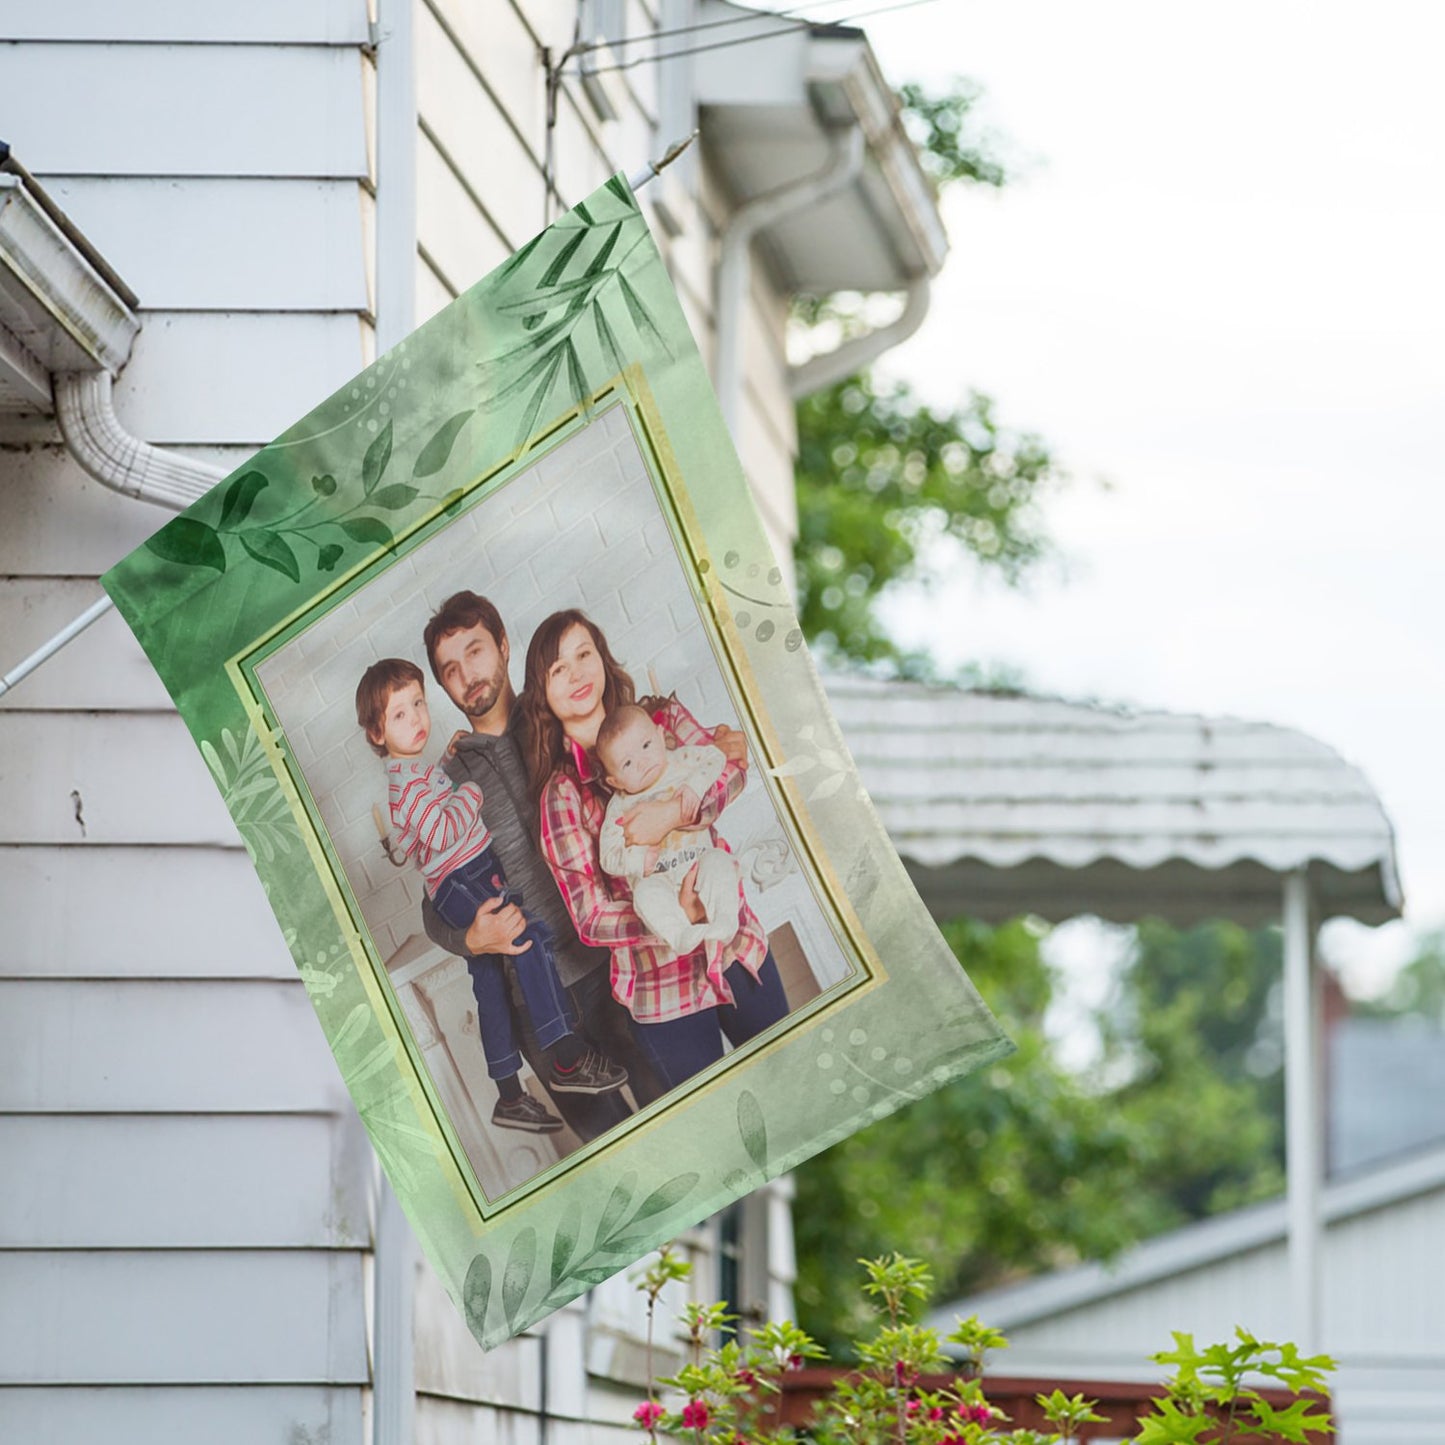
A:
(893, 490)
(1027, 1166)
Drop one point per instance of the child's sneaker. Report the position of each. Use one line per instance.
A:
(593, 1073)
(525, 1113)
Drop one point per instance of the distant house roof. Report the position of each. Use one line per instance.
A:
(1004, 804)
(768, 106)
(1195, 1247)
(1386, 1090)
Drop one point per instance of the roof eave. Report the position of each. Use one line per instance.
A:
(57, 312)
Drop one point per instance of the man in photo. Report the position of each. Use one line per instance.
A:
(469, 651)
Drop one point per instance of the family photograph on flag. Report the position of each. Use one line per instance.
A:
(545, 806)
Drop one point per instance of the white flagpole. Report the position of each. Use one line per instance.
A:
(72, 630)
(48, 650)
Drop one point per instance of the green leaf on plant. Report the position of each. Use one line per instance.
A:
(189, 544)
(271, 551)
(367, 529)
(323, 486)
(240, 494)
(373, 464)
(433, 456)
(517, 1276)
(477, 1294)
(395, 497)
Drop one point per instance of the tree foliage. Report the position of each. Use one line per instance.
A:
(1027, 1166)
(893, 490)
(888, 487)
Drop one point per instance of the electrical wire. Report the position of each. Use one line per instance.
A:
(786, 14)
(751, 39)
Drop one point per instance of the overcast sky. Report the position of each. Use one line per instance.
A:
(1216, 283)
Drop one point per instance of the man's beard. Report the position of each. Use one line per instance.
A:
(483, 697)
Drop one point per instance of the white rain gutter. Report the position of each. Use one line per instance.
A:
(735, 259)
(394, 1258)
(853, 355)
(96, 439)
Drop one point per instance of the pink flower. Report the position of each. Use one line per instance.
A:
(904, 1373)
(648, 1413)
(936, 1413)
(979, 1414)
(695, 1415)
(795, 1362)
(746, 1377)
(912, 1407)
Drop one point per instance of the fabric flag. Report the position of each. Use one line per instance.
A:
(504, 691)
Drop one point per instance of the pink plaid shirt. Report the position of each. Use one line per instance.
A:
(647, 977)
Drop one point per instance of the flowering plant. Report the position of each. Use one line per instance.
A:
(731, 1393)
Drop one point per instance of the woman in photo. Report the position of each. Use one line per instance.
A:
(683, 1006)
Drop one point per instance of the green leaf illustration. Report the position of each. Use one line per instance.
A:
(395, 497)
(576, 377)
(520, 258)
(554, 273)
(753, 1129)
(580, 209)
(433, 456)
(607, 338)
(241, 493)
(272, 551)
(559, 293)
(544, 387)
(517, 1276)
(618, 187)
(323, 486)
(373, 464)
(596, 1274)
(599, 261)
(616, 1205)
(641, 316)
(564, 1242)
(367, 529)
(189, 543)
(477, 1294)
(665, 1196)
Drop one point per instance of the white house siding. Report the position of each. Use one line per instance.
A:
(184, 1233)
(185, 1252)
(1383, 1319)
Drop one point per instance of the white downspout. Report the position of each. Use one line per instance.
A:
(853, 355)
(734, 259)
(96, 439)
(393, 1378)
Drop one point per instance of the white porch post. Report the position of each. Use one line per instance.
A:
(1303, 1022)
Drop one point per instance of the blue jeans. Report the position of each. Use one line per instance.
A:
(679, 1048)
(457, 898)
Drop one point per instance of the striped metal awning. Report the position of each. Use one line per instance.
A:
(1002, 804)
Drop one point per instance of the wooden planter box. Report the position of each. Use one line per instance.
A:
(1121, 1403)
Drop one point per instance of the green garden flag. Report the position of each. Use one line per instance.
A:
(506, 696)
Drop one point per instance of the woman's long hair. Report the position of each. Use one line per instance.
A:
(544, 744)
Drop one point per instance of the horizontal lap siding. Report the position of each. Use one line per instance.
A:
(157, 1415)
(183, 1250)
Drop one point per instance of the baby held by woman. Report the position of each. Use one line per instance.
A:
(640, 768)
